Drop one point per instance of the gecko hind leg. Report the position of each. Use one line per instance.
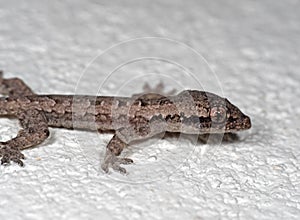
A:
(111, 159)
(14, 87)
(159, 89)
(34, 131)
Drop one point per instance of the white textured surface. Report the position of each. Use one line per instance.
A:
(254, 48)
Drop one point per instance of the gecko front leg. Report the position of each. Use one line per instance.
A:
(111, 159)
(34, 131)
(139, 129)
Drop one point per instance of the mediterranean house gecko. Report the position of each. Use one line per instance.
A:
(131, 119)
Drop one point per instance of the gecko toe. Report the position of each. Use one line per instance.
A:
(118, 168)
(18, 161)
(5, 160)
(104, 167)
(115, 166)
(124, 160)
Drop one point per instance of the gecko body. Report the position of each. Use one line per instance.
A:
(130, 118)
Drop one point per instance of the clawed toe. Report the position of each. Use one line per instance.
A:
(117, 167)
(124, 160)
(18, 161)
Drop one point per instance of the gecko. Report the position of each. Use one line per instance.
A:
(131, 119)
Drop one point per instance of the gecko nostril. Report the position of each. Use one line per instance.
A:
(247, 122)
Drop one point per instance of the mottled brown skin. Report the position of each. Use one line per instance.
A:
(131, 119)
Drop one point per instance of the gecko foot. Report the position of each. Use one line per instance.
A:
(8, 154)
(114, 162)
(159, 89)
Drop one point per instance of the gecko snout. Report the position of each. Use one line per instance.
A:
(246, 122)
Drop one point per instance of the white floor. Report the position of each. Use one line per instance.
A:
(251, 53)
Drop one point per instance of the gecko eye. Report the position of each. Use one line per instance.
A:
(218, 114)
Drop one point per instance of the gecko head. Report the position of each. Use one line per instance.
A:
(236, 120)
(213, 114)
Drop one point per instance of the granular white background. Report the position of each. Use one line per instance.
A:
(253, 47)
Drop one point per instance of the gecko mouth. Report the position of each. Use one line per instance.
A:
(243, 123)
